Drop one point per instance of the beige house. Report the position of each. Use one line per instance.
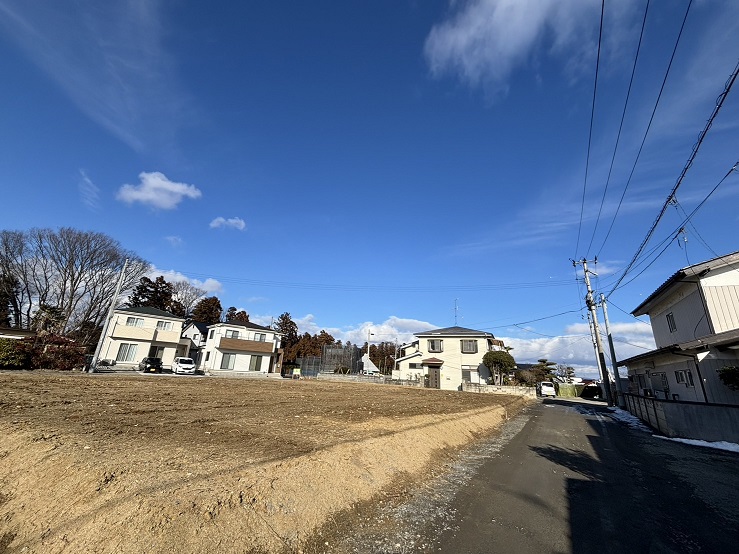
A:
(695, 322)
(241, 347)
(137, 333)
(446, 357)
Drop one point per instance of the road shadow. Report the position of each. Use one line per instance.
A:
(635, 492)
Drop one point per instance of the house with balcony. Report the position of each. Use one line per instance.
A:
(695, 323)
(137, 333)
(446, 357)
(241, 347)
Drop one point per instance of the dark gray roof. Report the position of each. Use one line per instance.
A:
(455, 332)
(697, 270)
(248, 325)
(145, 310)
(200, 326)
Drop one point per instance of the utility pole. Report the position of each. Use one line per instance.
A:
(94, 360)
(591, 304)
(613, 351)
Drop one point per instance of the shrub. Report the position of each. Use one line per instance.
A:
(13, 354)
(729, 375)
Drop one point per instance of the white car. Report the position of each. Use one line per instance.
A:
(546, 388)
(184, 366)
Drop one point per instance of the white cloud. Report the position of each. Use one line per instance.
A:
(233, 223)
(210, 286)
(174, 241)
(575, 347)
(157, 191)
(484, 41)
(89, 192)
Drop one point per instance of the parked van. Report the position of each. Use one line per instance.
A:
(546, 388)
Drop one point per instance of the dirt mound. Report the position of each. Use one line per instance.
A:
(93, 463)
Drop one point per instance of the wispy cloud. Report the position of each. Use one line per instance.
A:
(89, 192)
(483, 42)
(108, 58)
(157, 191)
(174, 241)
(232, 223)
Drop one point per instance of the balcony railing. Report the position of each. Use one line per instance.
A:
(242, 345)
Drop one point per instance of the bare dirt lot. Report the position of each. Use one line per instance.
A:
(158, 463)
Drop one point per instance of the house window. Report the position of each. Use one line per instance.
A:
(255, 364)
(261, 337)
(415, 366)
(212, 332)
(671, 323)
(228, 361)
(195, 338)
(135, 322)
(684, 377)
(126, 353)
(469, 346)
(232, 334)
(641, 381)
(436, 345)
(207, 356)
(164, 325)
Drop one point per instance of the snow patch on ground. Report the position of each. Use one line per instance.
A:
(719, 445)
(628, 419)
(635, 423)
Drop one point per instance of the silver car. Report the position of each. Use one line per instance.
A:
(184, 366)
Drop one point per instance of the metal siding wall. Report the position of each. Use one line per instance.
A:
(723, 304)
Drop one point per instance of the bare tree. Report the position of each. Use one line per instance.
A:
(187, 294)
(74, 272)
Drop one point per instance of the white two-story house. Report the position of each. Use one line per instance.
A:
(695, 322)
(447, 356)
(241, 347)
(137, 333)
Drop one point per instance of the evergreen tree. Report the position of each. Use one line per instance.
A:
(289, 330)
(207, 311)
(236, 316)
(153, 294)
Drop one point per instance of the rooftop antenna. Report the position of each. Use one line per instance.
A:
(456, 309)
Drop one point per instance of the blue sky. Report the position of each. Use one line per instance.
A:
(372, 165)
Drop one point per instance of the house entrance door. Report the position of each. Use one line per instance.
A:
(434, 377)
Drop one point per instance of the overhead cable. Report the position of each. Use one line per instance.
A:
(688, 164)
(590, 133)
(620, 128)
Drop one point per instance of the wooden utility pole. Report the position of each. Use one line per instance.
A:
(591, 304)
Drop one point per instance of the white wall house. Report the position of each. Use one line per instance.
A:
(448, 356)
(695, 322)
(196, 334)
(137, 333)
(241, 347)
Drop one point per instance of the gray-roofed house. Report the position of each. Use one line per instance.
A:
(695, 323)
(137, 333)
(241, 347)
(448, 357)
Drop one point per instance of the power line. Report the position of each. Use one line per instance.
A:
(590, 133)
(620, 127)
(381, 288)
(688, 164)
(649, 126)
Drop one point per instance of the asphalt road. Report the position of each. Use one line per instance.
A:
(575, 479)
